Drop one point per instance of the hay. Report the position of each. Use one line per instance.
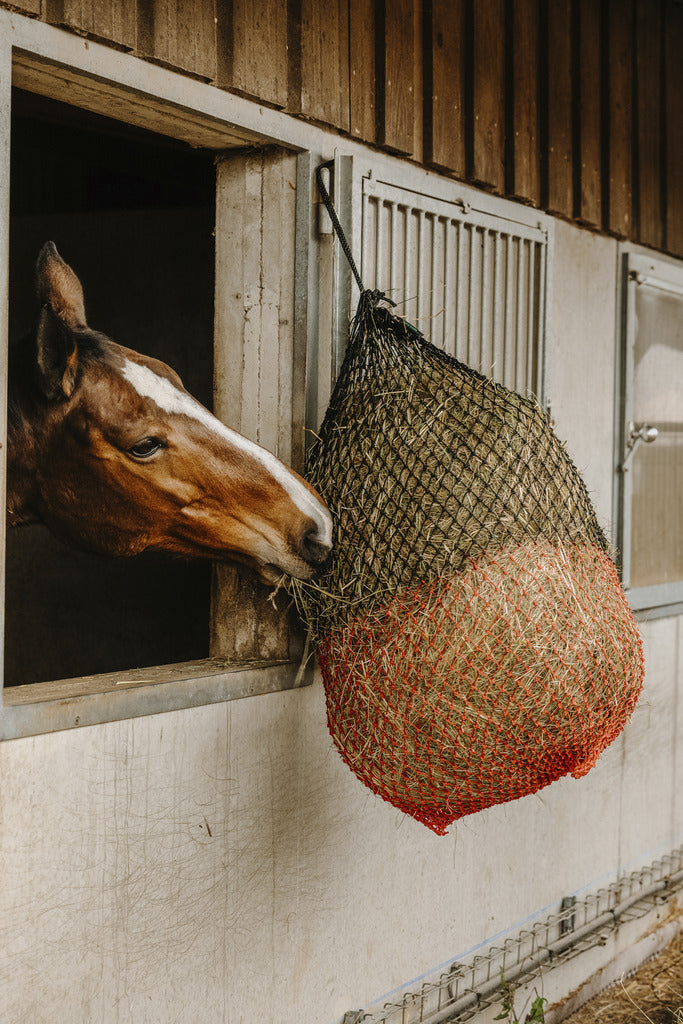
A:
(424, 464)
(486, 686)
(653, 993)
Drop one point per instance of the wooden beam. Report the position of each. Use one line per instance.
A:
(559, 173)
(588, 113)
(524, 173)
(487, 127)
(445, 52)
(558, 184)
(115, 21)
(252, 49)
(130, 102)
(254, 361)
(322, 55)
(418, 80)
(395, 58)
(27, 6)
(648, 139)
(179, 33)
(363, 114)
(619, 140)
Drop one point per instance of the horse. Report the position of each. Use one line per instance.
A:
(109, 451)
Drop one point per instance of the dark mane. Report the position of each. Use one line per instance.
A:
(22, 382)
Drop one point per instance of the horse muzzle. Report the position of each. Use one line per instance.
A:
(307, 555)
(315, 548)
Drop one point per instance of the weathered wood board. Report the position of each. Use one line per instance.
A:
(445, 87)
(559, 180)
(524, 159)
(648, 137)
(487, 127)
(255, 342)
(569, 105)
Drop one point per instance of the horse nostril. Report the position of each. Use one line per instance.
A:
(314, 549)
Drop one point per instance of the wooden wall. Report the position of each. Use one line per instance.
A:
(574, 106)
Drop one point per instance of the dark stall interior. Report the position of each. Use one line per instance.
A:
(133, 213)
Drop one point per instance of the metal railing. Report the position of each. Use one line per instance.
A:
(458, 993)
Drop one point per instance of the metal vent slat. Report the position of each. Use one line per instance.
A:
(473, 283)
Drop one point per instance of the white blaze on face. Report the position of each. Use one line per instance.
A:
(164, 394)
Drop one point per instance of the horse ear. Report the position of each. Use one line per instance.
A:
(56, 356)
(63, 311)
(59, 288)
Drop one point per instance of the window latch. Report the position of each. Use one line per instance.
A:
(637, 432)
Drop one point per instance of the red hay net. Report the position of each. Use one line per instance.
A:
(488, 686)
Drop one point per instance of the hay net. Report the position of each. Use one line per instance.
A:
(474, 640)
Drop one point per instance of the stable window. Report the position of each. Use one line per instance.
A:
(184, 235)
(133, 214)
(650, 433)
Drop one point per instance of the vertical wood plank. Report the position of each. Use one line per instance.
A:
(558, 186)
(254, 360)
(180, 33)
(445, 86)
(362, 118)
(524, 178)
(648, 141)
(324, 62)
(252, 49)
(418, 80)
(115, 21)
(588, 41)
(395, 62)
(28, 6)
(619, 141)
(487, 162)
(673, 105)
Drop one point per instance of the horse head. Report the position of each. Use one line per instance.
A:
(109, 450)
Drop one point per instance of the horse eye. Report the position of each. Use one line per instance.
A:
(147, 447)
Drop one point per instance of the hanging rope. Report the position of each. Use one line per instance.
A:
(369, 296)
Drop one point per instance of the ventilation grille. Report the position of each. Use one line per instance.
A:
(473, 283)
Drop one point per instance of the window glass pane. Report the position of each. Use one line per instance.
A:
(657, 520)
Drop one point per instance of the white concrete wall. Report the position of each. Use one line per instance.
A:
(221, 864)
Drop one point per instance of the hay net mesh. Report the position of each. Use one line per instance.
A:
(474, 640)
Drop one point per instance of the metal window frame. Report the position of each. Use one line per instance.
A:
(448, 199)
(637, 266)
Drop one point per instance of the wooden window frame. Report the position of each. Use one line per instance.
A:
(44, 60)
